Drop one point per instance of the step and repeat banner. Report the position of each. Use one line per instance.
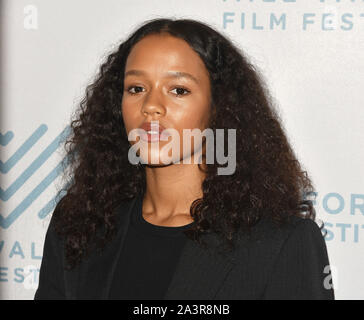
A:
(310, 53)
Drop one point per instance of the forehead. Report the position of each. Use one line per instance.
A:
(162, 52)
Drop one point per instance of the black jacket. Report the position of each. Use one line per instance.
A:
(275, 263)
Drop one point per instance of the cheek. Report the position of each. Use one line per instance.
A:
(128, 116)
(196, 118)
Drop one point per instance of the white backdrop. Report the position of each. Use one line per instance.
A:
(310, 52)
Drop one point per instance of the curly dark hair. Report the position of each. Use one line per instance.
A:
(268, 180)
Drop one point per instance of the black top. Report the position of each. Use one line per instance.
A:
(148, 258)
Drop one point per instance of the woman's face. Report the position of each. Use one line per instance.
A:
(153, 92)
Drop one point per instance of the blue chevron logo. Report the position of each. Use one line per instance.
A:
(5, 167)
(6, 138)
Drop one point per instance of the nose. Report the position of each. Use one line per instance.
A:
(153, 105)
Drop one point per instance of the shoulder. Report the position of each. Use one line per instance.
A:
(53, 240)
(268, 239)
(267, 229)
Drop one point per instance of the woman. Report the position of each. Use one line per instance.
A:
(177, 230)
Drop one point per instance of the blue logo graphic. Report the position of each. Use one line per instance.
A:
(6, 222)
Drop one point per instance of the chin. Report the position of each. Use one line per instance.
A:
(158, 165)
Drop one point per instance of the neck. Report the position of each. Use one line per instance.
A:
(170, 191)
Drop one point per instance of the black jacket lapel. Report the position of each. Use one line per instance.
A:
(200, 272)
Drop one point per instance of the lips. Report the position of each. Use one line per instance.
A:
(154, 131)
(152, 126)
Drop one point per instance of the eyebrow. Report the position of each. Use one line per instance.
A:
(169, 74)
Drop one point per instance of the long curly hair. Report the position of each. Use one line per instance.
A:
(268, 180)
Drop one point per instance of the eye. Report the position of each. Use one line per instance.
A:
(131, 87)
(180, 91)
